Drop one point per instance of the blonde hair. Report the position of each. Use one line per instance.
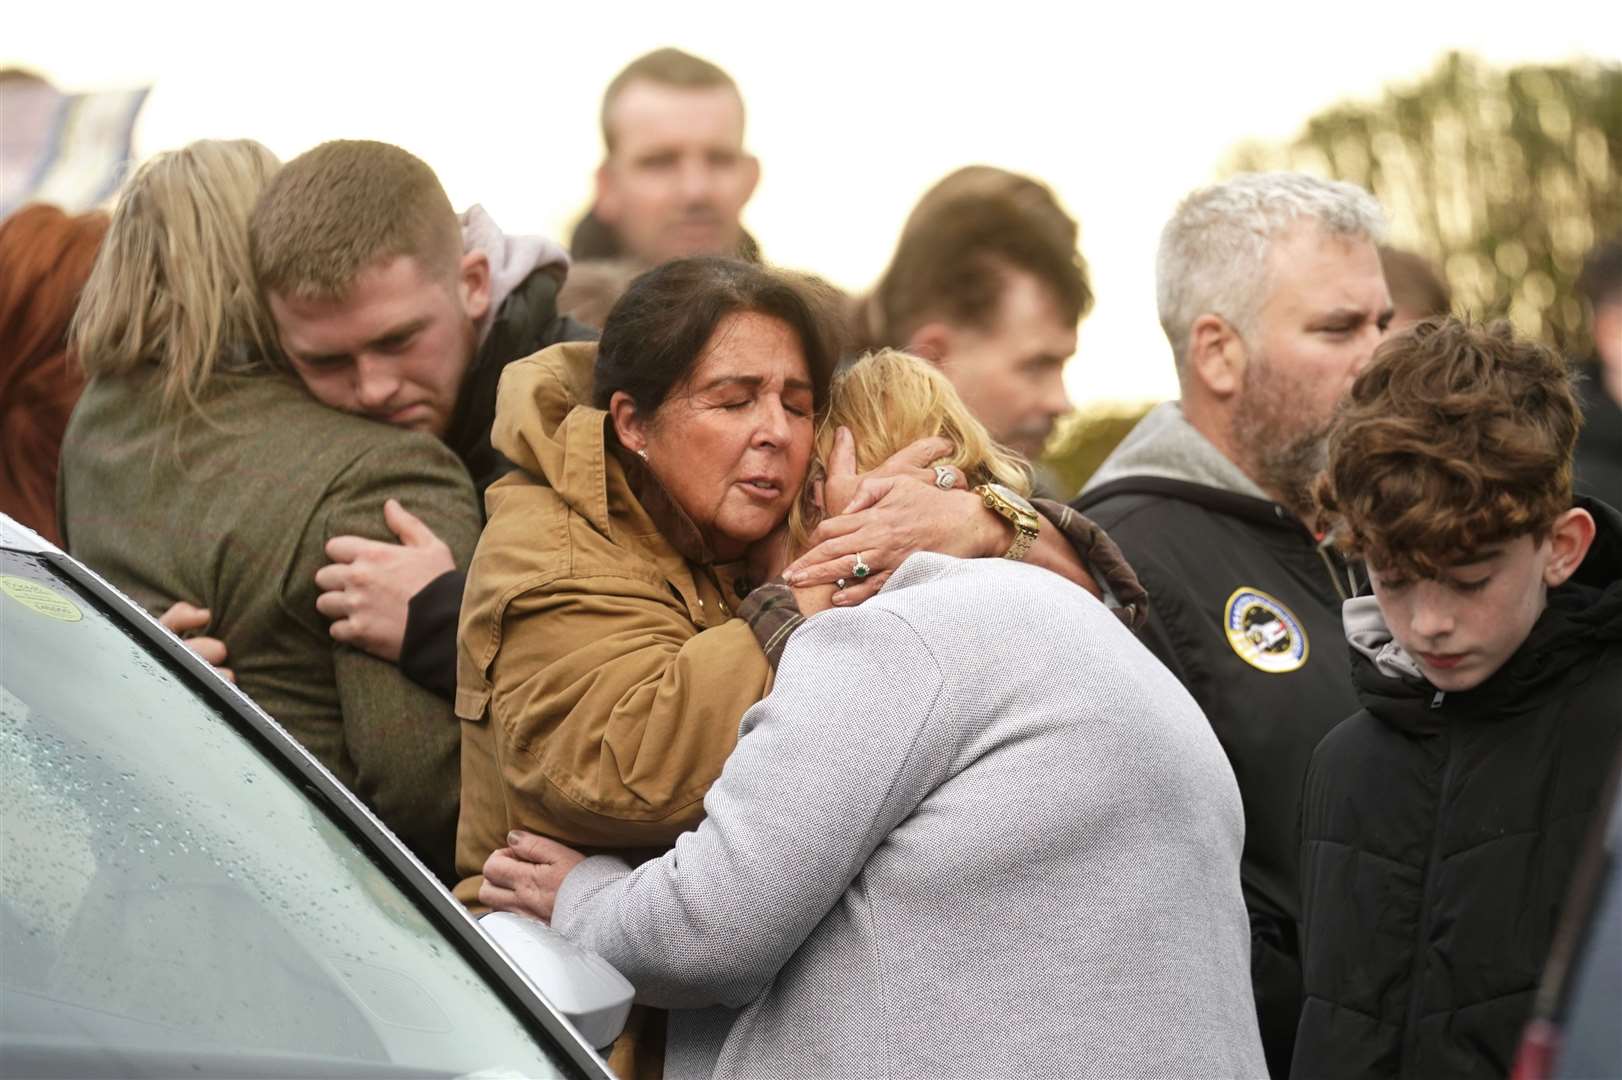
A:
(173, 285)
(890, 399)
(347, 205)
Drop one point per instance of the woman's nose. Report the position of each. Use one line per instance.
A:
(773, 428)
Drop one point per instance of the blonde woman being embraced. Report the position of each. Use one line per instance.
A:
(976, 829)
(194, 467)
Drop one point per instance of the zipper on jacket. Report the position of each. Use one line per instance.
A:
(1436, 702)
(1410, 1026)
(1329, 565)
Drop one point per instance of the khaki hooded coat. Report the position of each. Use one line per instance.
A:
(601, 673)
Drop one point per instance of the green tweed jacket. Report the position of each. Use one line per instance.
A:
(231, 511)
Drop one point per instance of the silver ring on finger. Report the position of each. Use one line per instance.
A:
(860, 569)
(945, 478)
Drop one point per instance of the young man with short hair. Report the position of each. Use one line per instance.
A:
(390, 306)
(675, 176)
(1440, 824)
(986, 283)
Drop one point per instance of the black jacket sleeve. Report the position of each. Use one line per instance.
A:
(428, 652)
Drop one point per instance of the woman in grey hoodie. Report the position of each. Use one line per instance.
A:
(975, 830)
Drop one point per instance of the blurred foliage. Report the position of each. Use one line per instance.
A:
(1503, 179)
(1084, 439)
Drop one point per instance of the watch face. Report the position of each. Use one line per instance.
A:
(1012, 497)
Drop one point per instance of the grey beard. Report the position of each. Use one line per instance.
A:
(1286, 470)
(1289, 472)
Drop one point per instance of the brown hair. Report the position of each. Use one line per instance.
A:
(1415, 286)
(665, 67)
(655, 334)
(1455, 437)
(960, 243)
(45, 258)
(340, 208)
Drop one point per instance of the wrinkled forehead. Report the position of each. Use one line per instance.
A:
(647, 114)
(1312, 267)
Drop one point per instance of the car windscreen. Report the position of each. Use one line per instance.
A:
(172, 902)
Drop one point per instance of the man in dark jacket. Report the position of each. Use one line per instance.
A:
(1599, 447)
(1271, 294)
(390, 307)
(1440, 825)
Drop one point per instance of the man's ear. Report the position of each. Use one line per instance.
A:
(1216, 356)
(473, 281)
(607, 203)
(931, 341)
(1570, 539)
(629, 427)
(751, 166)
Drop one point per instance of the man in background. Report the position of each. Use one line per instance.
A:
(987, 284)
(1417, 290)
(675, 176)
(1599, 446)
(1271, 294)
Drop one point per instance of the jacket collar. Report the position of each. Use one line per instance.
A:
(1165, 445)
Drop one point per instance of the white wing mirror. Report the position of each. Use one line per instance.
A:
(580, 984)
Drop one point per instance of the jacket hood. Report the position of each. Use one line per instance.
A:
(546, 426)
(512, 258)
(1165, 445)
(1583, 617)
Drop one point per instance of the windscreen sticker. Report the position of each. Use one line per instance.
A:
(40, 599)
(1264, 632)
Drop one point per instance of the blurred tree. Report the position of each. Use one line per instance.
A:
(1503, 179)
(1082, 441)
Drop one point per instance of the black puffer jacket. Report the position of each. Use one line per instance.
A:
(1599, 444)
(1439, 834)
(527, 322)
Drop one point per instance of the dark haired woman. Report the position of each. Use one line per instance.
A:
(611, 640)
(603, 668)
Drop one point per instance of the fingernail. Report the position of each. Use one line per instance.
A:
(513, 837)
(791, 577)
(839, 599)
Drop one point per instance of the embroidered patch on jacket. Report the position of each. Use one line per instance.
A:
(1264, 632)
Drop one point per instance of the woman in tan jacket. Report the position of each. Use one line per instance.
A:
(612, 634)
(612, 637)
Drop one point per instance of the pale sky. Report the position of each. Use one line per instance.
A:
(854, 108)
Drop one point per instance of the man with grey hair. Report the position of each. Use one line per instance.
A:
(1271, 295)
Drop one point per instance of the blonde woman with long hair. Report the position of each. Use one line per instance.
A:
(976, 829)
(195, 468)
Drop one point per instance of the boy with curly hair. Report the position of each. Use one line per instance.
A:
(1440, 823)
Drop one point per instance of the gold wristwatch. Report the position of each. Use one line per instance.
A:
(1019, 512)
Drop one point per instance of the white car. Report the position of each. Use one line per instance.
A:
(184, 891)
